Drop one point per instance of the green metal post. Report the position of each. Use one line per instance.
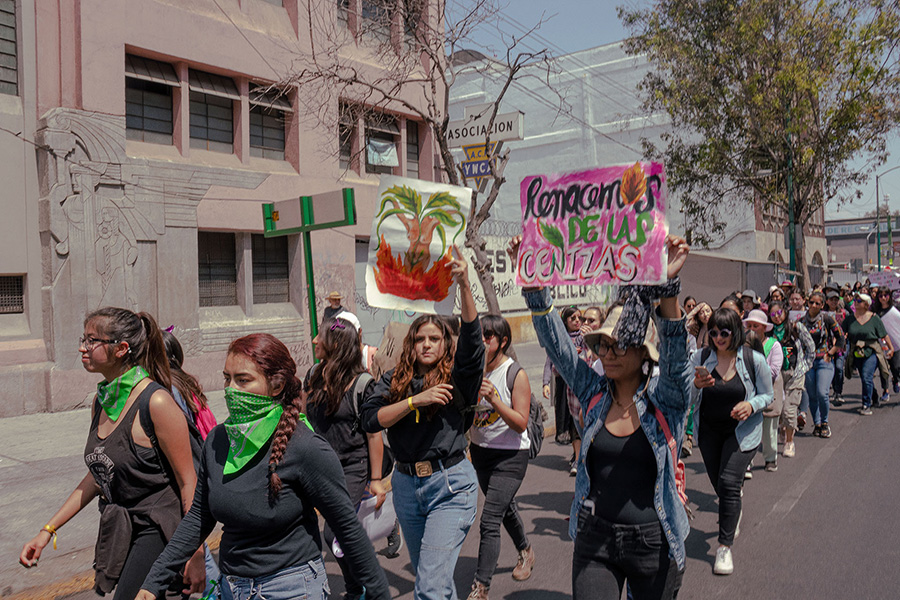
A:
(306, 211)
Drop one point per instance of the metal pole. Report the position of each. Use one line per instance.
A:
(306, 212)
(790, 190)
(877, 223)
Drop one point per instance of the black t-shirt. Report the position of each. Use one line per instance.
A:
(259, 539)
(623, 476)
(720, 399)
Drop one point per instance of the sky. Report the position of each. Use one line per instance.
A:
(572, 25)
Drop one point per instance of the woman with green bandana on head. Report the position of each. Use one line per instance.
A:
(263, 474)
(144, 487)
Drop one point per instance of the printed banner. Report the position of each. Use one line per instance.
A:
(602, 226)
(415, 227)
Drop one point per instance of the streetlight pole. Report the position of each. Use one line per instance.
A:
(878, 210)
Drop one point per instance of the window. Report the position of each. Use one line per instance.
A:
(377, 19)
(271, 281)
(9, 75)
(381, 144)
(346, 130)
(412, 14)
(268, 116)
(148, 111)
(212, 111)
(217, 272)
(343, 13)
(412, 149)
(12, 294)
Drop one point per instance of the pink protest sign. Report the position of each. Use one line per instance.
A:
(602, 226)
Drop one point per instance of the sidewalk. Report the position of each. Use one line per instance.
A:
(41, 462)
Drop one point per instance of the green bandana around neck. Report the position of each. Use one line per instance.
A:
(113, 395)
(252, 420)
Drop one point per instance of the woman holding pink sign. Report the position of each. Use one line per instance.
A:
(627, 520)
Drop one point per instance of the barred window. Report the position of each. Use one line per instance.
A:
(12, 294)
(9, 59)
(412, 149)
(271, 281)
(217, 268)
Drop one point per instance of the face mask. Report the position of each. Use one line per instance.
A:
(252, 419)
(113, 395)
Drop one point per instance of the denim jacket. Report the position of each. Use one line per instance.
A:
(760, 395)
(669, 391)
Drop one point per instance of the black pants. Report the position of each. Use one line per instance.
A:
(608, 555)
(500, 473)
(147, 544)
(725, 465)
(565, 423)
(357, 476)
(894, 364)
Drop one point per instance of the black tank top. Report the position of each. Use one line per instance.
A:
(623, 477)
(719, 400)
(130, 475)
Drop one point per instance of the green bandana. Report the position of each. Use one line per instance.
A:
(251, 422)
(113, 395)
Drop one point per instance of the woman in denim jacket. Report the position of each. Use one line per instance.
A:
(730, 420)
(627, 520)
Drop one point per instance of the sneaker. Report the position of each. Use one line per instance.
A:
(838, 400)
(825, 431)
(865, 411)
(790, 450)
(748, 474)
(801, 421)
(573, 469)
(479, 592)
(394, 542)
(817, 430)
(885, 397)
(897, 387)
(724, 564)
(687, 448)
(771, 467)
(524, 565)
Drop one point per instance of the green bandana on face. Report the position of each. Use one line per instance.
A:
(113, 395)
(251, 422)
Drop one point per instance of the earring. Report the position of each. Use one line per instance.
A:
(645, 367)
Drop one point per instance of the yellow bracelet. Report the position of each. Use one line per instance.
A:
(52, 531)
(413, 408)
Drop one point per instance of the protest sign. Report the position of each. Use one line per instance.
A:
(388, 353)
(886, 279)
(601, 226)
(414, 230)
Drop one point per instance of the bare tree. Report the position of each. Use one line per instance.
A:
(414, 51)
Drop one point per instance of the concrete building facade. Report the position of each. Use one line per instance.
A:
(141, 139)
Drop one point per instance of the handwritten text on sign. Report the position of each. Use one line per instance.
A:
(600, 226)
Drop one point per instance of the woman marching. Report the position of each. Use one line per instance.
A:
(729, 425)
(799, 351)
(499, 453)
(143, 492)
(331, 390)
(829, 339)
(263, 474)
(757, 323)
(866, 334)
(627, 520)
(698, 338)
(426, 403)
(890, 317)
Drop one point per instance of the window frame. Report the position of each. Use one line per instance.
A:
(221, 241)
(14, 304)
(149, 89)
(9, 61)
(266, 258)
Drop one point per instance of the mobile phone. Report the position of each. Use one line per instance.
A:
(701, 371)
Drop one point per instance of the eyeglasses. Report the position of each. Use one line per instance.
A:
(603, 347)
(717, 333)
(776, 313)
(815, 303)
(90, 343)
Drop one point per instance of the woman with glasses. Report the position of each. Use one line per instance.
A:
(828, 339)
(868, 344)
(799, 351)
(890, 316)
(499, 449)
(144, 490)
(627, 521)
(729, 423)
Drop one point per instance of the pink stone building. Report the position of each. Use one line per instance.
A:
(139, 140)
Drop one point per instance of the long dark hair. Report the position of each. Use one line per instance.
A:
(725, 318)
(406, 366)
(186, 384)
(274, 361)
(497, 326)
(342, 363)
(143, 336)
(566, 313)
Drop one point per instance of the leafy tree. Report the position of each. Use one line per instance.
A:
(767, 96)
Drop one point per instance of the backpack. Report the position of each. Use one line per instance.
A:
(535, 426)
(194, 436)
(677, 463)
(359, 390)
(748, 360)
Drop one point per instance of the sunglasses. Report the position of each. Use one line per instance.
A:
(776, 313)
(603, 347)
(717, 333)
(815, 303)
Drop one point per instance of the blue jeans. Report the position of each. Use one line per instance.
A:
(838, 382)
(212, 574)
(818, 382)
(866, 369)
(307, 581)
(435, 514)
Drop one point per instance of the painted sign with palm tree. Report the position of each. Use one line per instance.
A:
(416, 225)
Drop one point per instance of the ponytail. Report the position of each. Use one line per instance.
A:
(153, 358)
(144, 339)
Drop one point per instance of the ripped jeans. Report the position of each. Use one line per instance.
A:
(435, 514)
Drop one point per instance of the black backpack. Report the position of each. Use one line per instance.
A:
(535, 426)
(147, 423)
(359, 390)
(748, 360)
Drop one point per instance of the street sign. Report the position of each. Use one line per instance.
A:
(474, 129)
(477, 167)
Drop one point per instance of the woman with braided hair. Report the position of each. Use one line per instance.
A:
(262, 474)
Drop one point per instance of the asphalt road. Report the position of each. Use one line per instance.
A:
(822, 526)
